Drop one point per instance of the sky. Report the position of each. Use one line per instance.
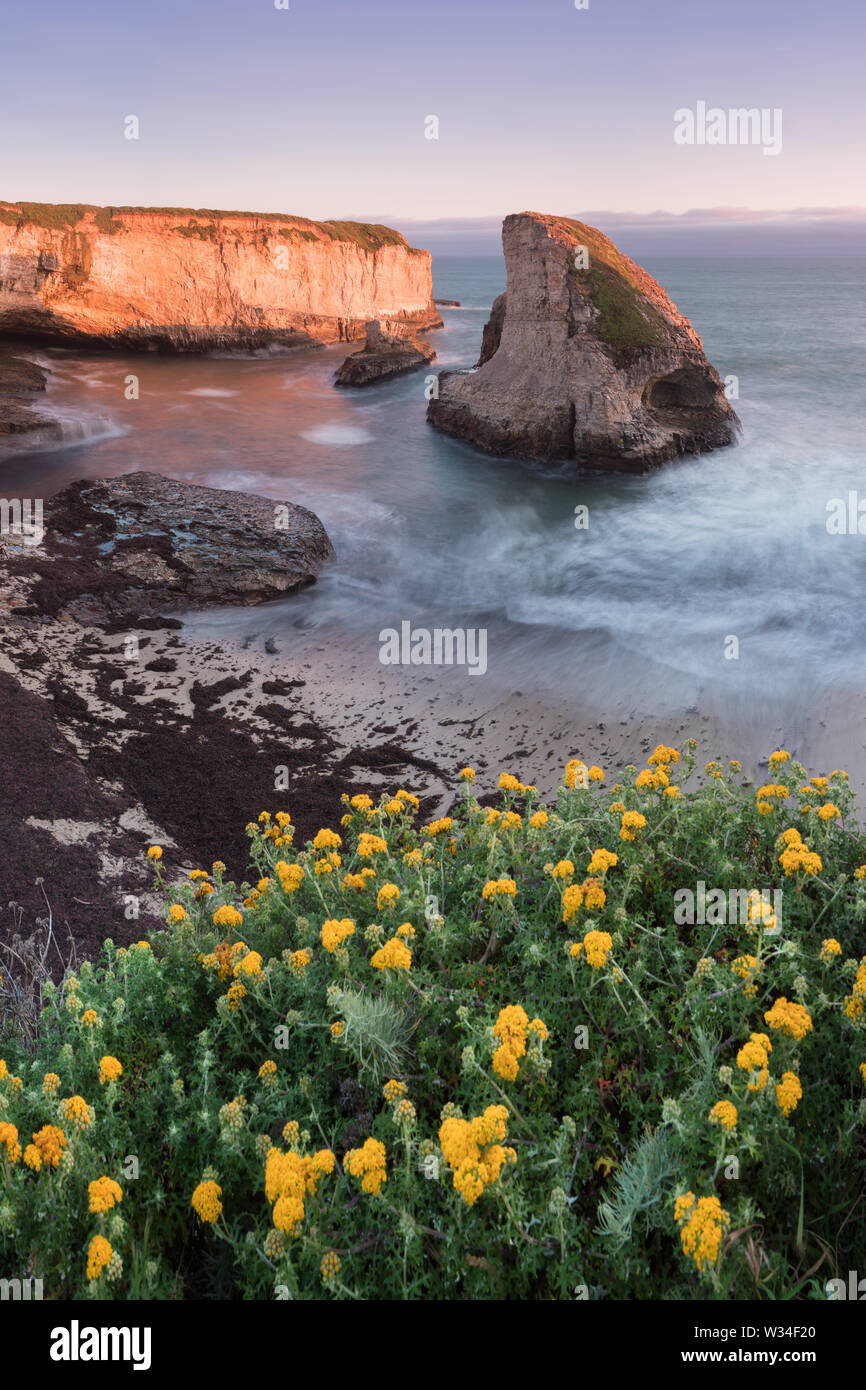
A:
(323, 108)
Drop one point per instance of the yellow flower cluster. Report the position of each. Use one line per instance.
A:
(601, 861)
(577, 774)
(647, 780)
(511, 1028)
(797, 856)
(369, 1164)
(747, 968)
(830, 948)
(705, 1222)
(780, 756)
(327, 839)
(724, 1113)
(438, 827)
(394, 1091)
(206, 1201)
(9, 1138)
(235, 994)
(109, 1069)
(663, 756)
(753, 1057)
(388, 894)
(829, 811)
(359, 881)
(291, 876)
(394, 955)
(299, 960)
(368, 845)
(76, 1110)
(760, 912)
(632, 822)
(99, 1252)
(289, 1179)
(598, 946)
(855, 1004)
(330, 1266)
(335, 932)
(499, 888)
(474, 1151)
(268, 1072)
(227, 916)
(788, 1092)
(50, 1141)
(538, 820)
(769, 793)
(279, 832)
(588, 894)
(792, 1019)
(90, 1018)
(104, 1193)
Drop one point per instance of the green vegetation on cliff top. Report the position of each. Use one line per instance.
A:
(626, 318)
(65, 216)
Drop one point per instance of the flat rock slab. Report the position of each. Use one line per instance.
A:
(143, 543)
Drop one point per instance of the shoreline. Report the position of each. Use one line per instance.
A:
(183, 747)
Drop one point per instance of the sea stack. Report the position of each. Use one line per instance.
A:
(384, 355)
(585, 358)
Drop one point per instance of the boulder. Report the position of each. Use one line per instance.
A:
(384, 354)
(144, 544)
(584, 359)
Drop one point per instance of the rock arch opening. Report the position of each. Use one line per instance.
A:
(686, 389)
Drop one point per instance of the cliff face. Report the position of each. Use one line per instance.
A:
(181, 280)
(586, 358)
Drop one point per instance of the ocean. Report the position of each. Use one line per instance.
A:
(647, 599)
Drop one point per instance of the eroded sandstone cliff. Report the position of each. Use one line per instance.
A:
(184, 280)
(584, 358)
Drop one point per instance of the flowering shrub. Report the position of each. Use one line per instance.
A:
(543, 1083)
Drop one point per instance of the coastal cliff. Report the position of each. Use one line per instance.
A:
(584, 358)
(175, 279)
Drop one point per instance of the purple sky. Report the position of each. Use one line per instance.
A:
(320, 109)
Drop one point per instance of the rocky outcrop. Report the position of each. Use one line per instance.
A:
(384, 355)
(175, 279)
(585, 358)
(19, 383)
(144, 544)
(492, 335)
